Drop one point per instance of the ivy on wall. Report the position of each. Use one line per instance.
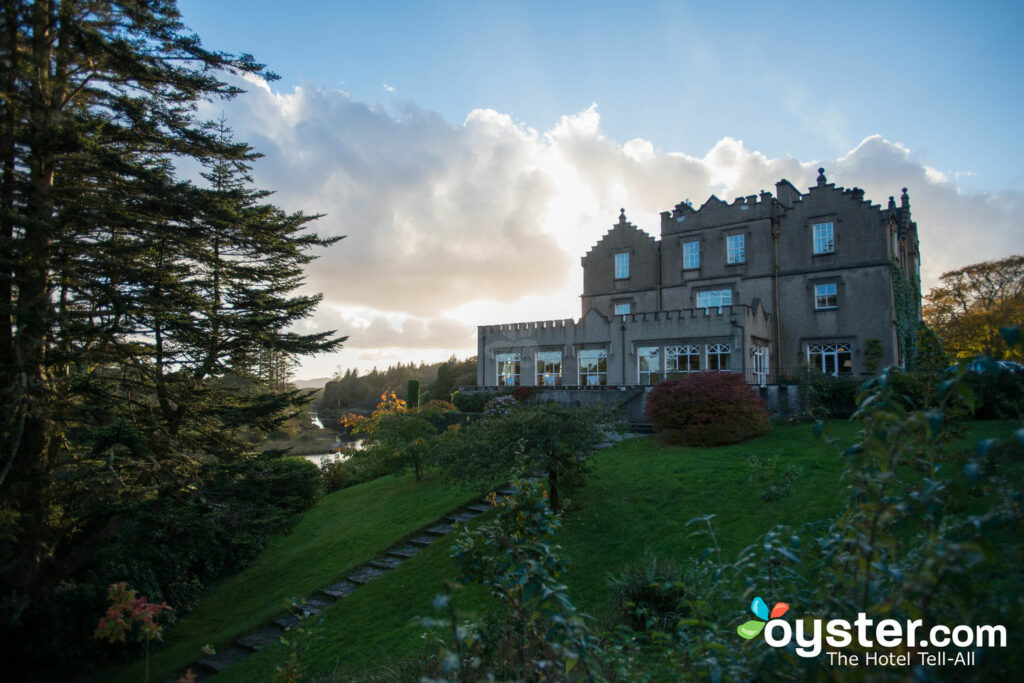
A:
(907, 300)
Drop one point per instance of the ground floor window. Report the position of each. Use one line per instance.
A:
(508, 369)
(549, 368)
(718, 356)
(593, 364)
(685, 358)
(649, 364)
(759, 364)
(831, 359)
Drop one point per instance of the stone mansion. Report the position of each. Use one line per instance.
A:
(765, 285)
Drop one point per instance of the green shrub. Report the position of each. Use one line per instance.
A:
(341, 473)
(706, 409)
(474, 402)
(650, 594)
(998, 395)
(827, 396)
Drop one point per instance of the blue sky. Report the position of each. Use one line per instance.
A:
(405, 121)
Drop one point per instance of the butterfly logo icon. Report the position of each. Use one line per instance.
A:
(753, 627)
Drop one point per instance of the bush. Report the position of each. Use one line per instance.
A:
(998, 395)
(706, 409)
(340, 474)
(826, 396)
(474, 402)
(650, 594)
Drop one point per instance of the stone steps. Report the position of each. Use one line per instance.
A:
(270, 633)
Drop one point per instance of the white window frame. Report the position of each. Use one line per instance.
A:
(593, 367)
(622, 309)
(718, 357)
(549, 368)
(691, 255)
(622, 265)
(508, 370)
(714, 298)
(682, 359)
(736, 249)
(824, 237)
(760, 364)
(644, 376)
(829, 357)
(826, 296)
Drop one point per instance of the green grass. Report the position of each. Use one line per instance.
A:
(345, 529)
(641, 497)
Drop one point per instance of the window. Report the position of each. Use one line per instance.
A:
(735, 248)
(831, 359)
(824, 238)
(760, 365)
(621, 266)
(621, 309)
(508, 369)
(718, 356)
(691, 255)
(593, 367)
(714, 298)
(680, 359)
(549, 368)
(825, 296)
(648, 364)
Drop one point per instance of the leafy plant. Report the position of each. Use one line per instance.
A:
(706, 409)
(129, 613)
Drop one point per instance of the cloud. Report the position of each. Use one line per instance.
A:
(453, 225)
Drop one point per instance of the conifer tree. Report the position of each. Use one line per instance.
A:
(129, 298)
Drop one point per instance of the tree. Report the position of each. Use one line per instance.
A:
(970, 306)
(129, 296)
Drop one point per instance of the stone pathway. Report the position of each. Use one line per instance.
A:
(325, 597)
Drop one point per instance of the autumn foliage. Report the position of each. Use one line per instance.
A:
(706, 409)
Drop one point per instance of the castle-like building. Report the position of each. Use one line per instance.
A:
(764, 286)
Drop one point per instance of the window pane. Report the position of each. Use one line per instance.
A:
(648, 364)
(714, 298)
(691, 255)
(825, 295)
(824, 238)
(736, 249)
(621, 309)
(549, 368)
(621, 266)
(508, 369)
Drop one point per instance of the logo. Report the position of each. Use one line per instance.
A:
(753, 627)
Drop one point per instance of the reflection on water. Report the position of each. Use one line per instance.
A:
(348, 444)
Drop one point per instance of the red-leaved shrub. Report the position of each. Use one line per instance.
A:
(706, 409)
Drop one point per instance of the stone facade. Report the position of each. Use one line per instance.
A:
(764, 285)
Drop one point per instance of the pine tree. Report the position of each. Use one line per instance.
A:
(130, 298)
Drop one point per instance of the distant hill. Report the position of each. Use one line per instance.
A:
(316, 383)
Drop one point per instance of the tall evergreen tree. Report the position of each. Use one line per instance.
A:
(128, 297)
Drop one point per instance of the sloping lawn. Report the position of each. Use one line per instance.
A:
(345, 529)
(642, 496)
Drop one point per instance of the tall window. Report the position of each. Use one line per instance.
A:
(621, 266)
(508, 369)
(760, 365)
(593, 367)
(621, 309)
(685, 358)
(831, 359)
(714, 298)
(691, 255)
(718, 356)
(648, 364)
(735, 247)
(549, 368)
(825, 296)
(824, 238)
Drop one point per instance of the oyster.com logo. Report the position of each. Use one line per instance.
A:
(753, 628)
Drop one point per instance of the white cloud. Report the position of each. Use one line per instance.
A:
(451, 226)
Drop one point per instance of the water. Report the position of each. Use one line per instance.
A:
(318, 458)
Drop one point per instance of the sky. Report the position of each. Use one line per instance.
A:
(471, 153)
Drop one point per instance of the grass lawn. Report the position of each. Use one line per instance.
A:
(345, 529)
(641, 497)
